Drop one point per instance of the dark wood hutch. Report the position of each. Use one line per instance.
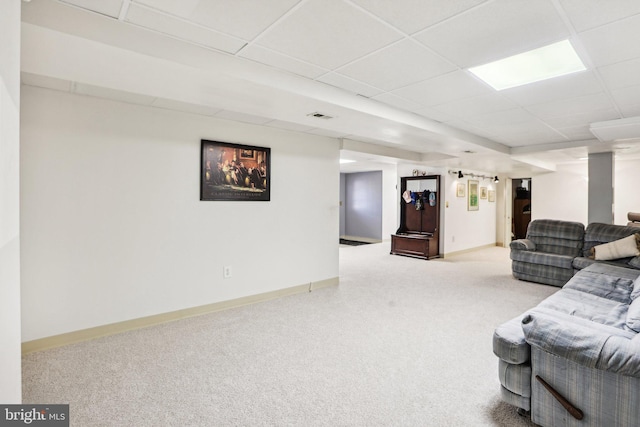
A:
(418, 234)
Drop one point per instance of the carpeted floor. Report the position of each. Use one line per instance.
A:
(401, 342)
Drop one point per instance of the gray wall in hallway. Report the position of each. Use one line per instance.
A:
(363, 204)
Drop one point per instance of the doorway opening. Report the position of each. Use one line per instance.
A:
(521, 196)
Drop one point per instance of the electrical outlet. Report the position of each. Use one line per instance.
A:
(226, 271)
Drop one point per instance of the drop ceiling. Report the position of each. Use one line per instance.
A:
(391, 74)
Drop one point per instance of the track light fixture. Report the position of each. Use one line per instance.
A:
(473, 175)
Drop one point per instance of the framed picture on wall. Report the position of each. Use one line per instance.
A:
(473, 199)
(234, 172)
(460, 190)
(492, 195)
(483, 192)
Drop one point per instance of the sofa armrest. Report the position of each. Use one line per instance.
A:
(523, 245)
(621, 355)
(571, 340)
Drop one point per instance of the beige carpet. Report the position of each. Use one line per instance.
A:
(401, 342)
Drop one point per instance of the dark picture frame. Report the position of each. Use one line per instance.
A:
(234, 172)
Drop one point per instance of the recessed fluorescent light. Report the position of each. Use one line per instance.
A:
(343, 161)
(547, 62)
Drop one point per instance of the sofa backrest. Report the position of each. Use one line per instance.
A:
(557, 237)
(598, 233)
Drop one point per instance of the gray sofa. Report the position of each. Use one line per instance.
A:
(577, 354)
(553, 250)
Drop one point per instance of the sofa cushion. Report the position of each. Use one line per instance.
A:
(634, 262)
(542, 258)
(621, 248)
(555, 236)
(595, 281)
(598, 233)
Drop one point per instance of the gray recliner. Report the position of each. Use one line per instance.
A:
(546, 254)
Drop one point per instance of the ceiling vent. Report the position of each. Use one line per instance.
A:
(616, 130)
(319, 116)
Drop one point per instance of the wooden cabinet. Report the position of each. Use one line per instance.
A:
(418, 234)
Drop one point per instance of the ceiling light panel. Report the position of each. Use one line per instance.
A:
(555, 60)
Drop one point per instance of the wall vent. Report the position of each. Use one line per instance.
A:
(319, 116)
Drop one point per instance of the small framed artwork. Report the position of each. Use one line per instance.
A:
(492, 195)
(234, 172)
(483, 192)
(473, 195)
(460, 190)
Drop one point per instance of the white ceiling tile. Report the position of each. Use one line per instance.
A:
(442, 89)
(181, 29)
(598, 103)
(576, 133)
(242, 117)
(626, 96)
(615, 42)
(105, 7)
(496, 30)
(397, 101)
(630, 110)
(511, 117)
(117, 95)
(569, 86)
(413, 15)
(277, 60)
(585, 14)
(245, 19)
(328, 36)
(347, 83)
(482, 104)
(398, 65)
(622, 74)
(582, 119)
(170, 104)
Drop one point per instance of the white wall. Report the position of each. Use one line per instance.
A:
(390, 200)
(564, 194)
(10, 356)
(113, 228)
(626, 194)
(561, 195)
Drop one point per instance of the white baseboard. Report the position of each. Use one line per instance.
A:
(464, 251)
(143, 322)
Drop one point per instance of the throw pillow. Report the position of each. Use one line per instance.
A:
(622, 248)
